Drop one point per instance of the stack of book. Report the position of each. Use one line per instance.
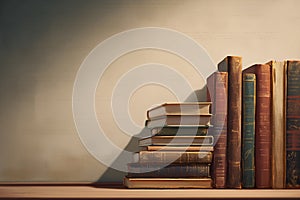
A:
(179, 152)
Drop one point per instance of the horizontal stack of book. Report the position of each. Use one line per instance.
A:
(258, 133)
(179, 152)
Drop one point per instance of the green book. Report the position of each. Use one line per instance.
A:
(248, 130)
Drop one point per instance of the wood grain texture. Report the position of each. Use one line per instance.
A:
(120, 192)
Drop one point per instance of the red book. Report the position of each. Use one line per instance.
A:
(263, 128)
(217, 94)
(233, 65)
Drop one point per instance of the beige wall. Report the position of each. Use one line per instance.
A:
(43, 43)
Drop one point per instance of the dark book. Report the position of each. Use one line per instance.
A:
(151, 170)
(179, 120)
(177, 140)
(175, 157)
(233, 65)
(248, 130)
(177, 130)
(263, 128)
(217, 94)
(179, 108)
(167, 183)
(278, 124)
(293, 125)
(179, 148)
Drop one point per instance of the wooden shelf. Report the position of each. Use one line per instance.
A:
(69, 191)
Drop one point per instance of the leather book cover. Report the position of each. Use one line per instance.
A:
(248, 133)
(217, 93)
(263, 128)
(233, 65)
(293, 125)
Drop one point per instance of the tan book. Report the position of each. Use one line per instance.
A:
(179, 148)
(175, 157)
(177, 140)
(278, 123)
(179, 120)
(167, 182)
(179, 108)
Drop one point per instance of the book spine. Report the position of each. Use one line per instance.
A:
(293, 125)
(248, 133)
(218, 91)
(171, 171)
(172, 131)
(263, 136)
(175, 157)
(278, 124)
(233, 65)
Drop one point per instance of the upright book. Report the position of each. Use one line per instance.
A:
(263, 128)
(217, 94)
(248, 133)
(293, 125)
(233, 65)
(278, 123)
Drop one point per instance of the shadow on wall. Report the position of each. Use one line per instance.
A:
(117, 176)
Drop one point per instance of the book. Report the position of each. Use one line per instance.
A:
(167, 183)
(293, 125)
(179, 148)
(179, 120)
(150, 170)
(217, 94)
(233, 65)
(177, 140)
(176, 108)
(248, 130)
(278, 123)
(263, 128)
(178, 130)
(175, 157)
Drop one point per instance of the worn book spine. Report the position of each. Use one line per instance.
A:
(217, 90)
(248, 133)
(263, 128)
(278, 124)
(293, 125)
(233, 65)
(174, 157)
(139, 170)
(171, 131)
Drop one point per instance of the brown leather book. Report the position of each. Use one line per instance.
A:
(293, 125)
(233, 65)
(155, 170)
(263, 128)
(217, 94)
